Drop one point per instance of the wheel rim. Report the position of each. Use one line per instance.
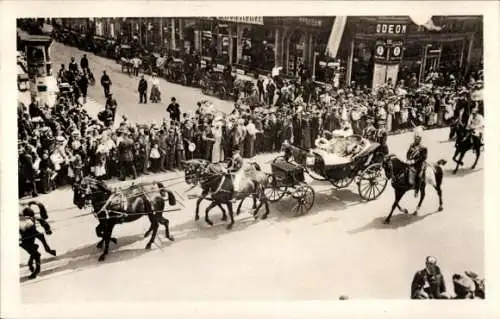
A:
(304, 197)
(372, 183)
(274, 192)
(342, 183)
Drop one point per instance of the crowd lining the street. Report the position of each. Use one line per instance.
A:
(62, 144)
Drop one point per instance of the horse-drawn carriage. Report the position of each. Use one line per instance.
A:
(364, 167)
(218, 83)
(125, 58)
(175, 71)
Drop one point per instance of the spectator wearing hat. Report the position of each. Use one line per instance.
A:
(208, 141)
(27, 172)
(143, 90)
(428, 283)
(126, 153)
(83, 84)
(174, 110)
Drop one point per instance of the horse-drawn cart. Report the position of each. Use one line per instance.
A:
(364, 168)
(288, 179)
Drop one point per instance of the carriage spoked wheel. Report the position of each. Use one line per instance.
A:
(304, 196)
(274, 192)
(343, 182)
(222, 93)
(372, 182)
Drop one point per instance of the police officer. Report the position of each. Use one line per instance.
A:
(416, 157)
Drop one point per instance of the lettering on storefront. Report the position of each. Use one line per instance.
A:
(384, 28)
(249, 20)
(311, 22)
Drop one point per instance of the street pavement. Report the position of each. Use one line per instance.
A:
(339, 248)
(124, 89)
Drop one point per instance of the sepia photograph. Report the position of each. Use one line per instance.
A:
(173, 158)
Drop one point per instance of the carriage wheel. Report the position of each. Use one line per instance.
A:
(184, 80)
(342, 183)
(304, 195)
(372, 182)
(274, 192)
(222, 93)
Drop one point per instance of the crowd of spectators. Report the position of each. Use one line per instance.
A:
(59, 145)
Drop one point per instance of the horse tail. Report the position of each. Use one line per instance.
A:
(164, 191)
(41, 207)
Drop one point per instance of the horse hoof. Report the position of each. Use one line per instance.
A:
(99, 245)
(52, 252)
(171, 238)
(196, 217)
(148, 246)
(454, 172)
(440, 209)
(473, 167)
(209, 222)
(229, 227)
(146, 234)
(415, 213)
(405, 211)
(264, 217)
(101, 258)
(113, 240)
(386, 222)
(32, 276)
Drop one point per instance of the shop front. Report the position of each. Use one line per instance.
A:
(299, 42)
(395, 48)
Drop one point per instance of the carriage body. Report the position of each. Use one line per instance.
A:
(216, 84)
(289, 179)
(175, 71)
(364, 168)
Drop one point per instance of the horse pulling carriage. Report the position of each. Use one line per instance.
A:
(364, 168)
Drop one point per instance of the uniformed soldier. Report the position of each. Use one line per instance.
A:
(416, 157)
(476, 125)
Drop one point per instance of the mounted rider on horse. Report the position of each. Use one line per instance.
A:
(416, 157)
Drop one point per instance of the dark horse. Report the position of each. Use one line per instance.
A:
(123, 206)
(28, 233)
(224, 187)
(466, 141)
(398, 172)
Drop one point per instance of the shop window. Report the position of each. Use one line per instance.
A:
(362, 66)
(257, 49)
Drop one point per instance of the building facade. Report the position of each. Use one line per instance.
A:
(394, 47)
(369, 49)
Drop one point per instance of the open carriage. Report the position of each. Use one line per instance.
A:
(364, 168)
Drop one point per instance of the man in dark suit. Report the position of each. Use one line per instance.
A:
(143, 90)
(84, 63)
(105, 83)
(174, 110)
(126, 151)
(428, 283)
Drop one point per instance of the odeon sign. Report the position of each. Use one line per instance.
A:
(391, 28)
